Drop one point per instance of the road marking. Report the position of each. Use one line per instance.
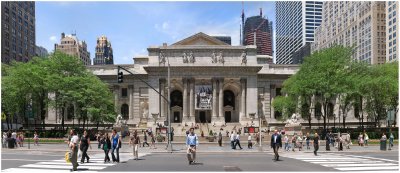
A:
(42, 170)
(84, 164)
(369, 168)
(81, 166)
(355, 165)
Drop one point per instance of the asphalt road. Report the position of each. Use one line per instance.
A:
(52, 161)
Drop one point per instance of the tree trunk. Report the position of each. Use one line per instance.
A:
(344, 118)
(325, 105)
(83, 123)
(62, 117)
(362, 113)
(97, 126)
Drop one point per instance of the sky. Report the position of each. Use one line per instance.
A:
(134, 26)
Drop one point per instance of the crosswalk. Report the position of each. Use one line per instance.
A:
(346, 162)
(58, 166)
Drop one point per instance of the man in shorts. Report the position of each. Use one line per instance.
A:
(191, 143)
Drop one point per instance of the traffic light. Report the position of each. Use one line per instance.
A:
(120, 77)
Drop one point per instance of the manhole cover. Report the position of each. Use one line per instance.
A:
(232, 168)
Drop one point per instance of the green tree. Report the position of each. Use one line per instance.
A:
(285, 105)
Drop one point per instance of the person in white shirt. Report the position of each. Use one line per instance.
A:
(237, 141)
(250, 145)
(233, 140)
(73, 145)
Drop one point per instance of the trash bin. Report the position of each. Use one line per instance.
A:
(383, 145)
(11, 143)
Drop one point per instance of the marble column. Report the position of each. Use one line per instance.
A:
(243, 98)
(191, 102)
(116, 99)
(273, 95)
(130, 90)
(185, 99)
(221, 98)
(162, 100)
(214, 100)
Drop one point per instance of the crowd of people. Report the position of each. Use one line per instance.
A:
(13, 139)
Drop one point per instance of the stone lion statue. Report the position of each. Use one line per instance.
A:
(294, 120)
(119, 120)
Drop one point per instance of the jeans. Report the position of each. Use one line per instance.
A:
(391, 142)
(238, 143)
(276, 147)
(286, 146)
(106, 157)
(366, 142)
(233, 145)
(145, 142)
(316, 147)
(113, 156)
(308, 144)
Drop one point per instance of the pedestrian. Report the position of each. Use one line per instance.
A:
(153, 141)
(327, 139)
(340, 144)
(220, 138)
(360, 140)
(300, 142)
(233, 136)
(18, 140)
(73, 145)
(237, 141)
(286, 140)
(276, 142)
(316, 143)
(258, 138)
(106, 147)
(293, 142)
(116, 145)
(22, 138)
(14, 138)
(250, 144)
(391, 139)
(98, 138)
(308, 141)
(4, 140)
(191, 143)
(366, 138)
(36, 139)
(145, 139)
(135, 142)
(84, 146)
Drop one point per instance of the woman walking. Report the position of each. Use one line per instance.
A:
(106, 147)
(36, 139)
(316, 143)
(308, 141)
(145, 139)
(135, 141)
(84, 145)
(116, 144)
(153, 141)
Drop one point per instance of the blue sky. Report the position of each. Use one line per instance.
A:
(133, 26)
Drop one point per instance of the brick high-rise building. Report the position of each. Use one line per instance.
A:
(18, 31)
(361, 24)
(72, 46)
(258, 30)
(104, 52)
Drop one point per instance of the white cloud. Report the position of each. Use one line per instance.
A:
(165, 25)
(53, 38)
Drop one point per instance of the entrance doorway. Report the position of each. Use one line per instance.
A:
(177, 117)
(228, 116)
(202, 116)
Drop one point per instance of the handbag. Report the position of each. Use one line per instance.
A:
(79, 153)
(68, 157)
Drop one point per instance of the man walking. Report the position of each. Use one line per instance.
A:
(191, 143)
(316, 143)
(73, 145)
(145, 139)
(220, 138)
(233, 136)
(135, 141)
(116, 144)
(276, 142)
(237, 141)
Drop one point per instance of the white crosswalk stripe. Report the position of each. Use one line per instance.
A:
(55, 166)
(345, 162)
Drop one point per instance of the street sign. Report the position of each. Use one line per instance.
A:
(3, 116)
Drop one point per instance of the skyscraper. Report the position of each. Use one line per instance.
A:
(18, 31)
(104, 52)
(392, 31)
(354, 23)
(258, 30)
(72, 46)
(296, 22)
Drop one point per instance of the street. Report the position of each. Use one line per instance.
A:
(209, 159)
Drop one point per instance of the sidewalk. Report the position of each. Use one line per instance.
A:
(202, 148)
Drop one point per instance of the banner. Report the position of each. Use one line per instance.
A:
(203, 97)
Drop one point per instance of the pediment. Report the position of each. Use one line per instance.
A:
(200, 39)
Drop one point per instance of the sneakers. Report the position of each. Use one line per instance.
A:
(190, 162)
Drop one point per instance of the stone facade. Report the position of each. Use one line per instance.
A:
(72, 46)
(211, 82)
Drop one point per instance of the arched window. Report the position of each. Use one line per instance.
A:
(229, 98)
(125, 111)
(176, 98)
